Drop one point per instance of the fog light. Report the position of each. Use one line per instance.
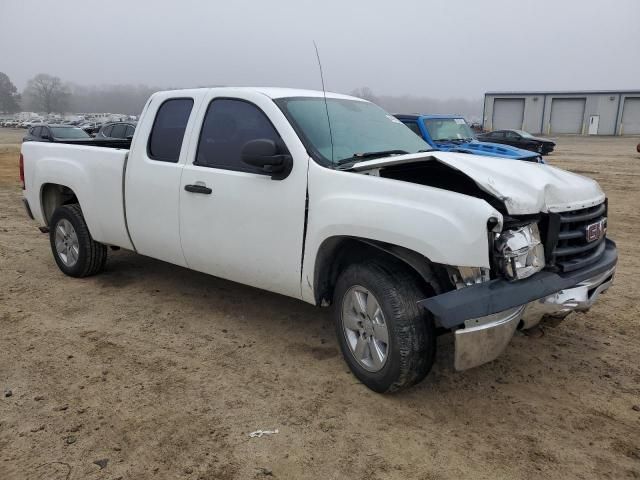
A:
(519, 252)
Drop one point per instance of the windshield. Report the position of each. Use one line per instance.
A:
(357, 128)
(442, 129)
(524, 134)
(68, 132)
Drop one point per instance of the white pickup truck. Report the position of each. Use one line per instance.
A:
(335, 202)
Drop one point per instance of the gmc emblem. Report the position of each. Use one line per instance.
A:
(596, 230)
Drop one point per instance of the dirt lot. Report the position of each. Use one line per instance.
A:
(154, 371)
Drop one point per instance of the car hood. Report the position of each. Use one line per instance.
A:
(523, 187)
(540, 139)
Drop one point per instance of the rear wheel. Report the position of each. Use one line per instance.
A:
(74, 251)
(387, 340)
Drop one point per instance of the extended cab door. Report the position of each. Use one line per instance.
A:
(152, 178)
(235, 221)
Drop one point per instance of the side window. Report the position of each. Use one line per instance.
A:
(34, 131)
(129, 132)
(512, 136)
(118, 130)
(498, 134)
(228, 125)
(413, 126)
(167, 133)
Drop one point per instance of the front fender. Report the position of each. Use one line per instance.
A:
(443, 226)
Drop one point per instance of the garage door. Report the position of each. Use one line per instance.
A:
(631, 116)
(567, 115)
(508, 113)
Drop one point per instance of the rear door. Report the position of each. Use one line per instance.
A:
(153, 170)
(237, 223)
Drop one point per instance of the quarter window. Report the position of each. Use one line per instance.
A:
(165, 140)
(228, 125)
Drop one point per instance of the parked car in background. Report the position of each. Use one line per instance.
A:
(520, 139)
(90, 127)
(451, 133)
(55, 133)
(120, 130)
(476, 127)
(29, 123)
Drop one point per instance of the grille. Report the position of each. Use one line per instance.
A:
(567, 246)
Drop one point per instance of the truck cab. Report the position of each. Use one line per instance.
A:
(451, 133)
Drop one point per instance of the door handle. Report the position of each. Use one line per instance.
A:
(198, 189)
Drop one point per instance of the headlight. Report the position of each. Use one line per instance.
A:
(519, 252)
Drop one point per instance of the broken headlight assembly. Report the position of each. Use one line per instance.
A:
(519, 253)
(466, 276)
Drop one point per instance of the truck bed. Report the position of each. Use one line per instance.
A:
(95, 175)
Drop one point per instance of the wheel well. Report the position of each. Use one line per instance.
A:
(336, 253)
(53, 195)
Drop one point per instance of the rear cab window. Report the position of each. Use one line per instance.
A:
(167, 133)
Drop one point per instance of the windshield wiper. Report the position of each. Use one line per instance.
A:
(356, 157)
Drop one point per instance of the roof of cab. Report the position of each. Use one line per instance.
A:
(271, 92)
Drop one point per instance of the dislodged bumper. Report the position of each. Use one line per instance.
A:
(485, 316)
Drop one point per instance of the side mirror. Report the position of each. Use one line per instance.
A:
(129, 137)
(270, 157)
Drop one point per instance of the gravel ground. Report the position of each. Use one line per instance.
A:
(151, 371)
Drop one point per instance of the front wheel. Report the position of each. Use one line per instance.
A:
(385, 337)
(75, 252)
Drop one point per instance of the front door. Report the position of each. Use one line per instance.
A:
(235, 221)
(594, 120)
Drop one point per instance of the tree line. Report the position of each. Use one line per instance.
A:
(49, 94)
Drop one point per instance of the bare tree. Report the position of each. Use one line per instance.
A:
(9, 96)
(366, 93)
(46, 93)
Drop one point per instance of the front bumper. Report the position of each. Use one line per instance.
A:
(485, 316)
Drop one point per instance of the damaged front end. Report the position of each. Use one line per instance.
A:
(484, 313)
(548, 254)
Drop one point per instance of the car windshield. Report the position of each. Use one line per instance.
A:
(358, 129)
(68, 133)
(442, 129)
(524, 134)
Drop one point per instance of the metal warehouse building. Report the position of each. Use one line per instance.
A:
(581, 113)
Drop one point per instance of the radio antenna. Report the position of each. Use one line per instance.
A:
(324, 93)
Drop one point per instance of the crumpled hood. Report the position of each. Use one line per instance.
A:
(524, 187)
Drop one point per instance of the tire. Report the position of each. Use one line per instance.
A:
(78, 256)
(411, 345)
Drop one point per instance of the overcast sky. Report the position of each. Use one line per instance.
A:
(433, 48)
